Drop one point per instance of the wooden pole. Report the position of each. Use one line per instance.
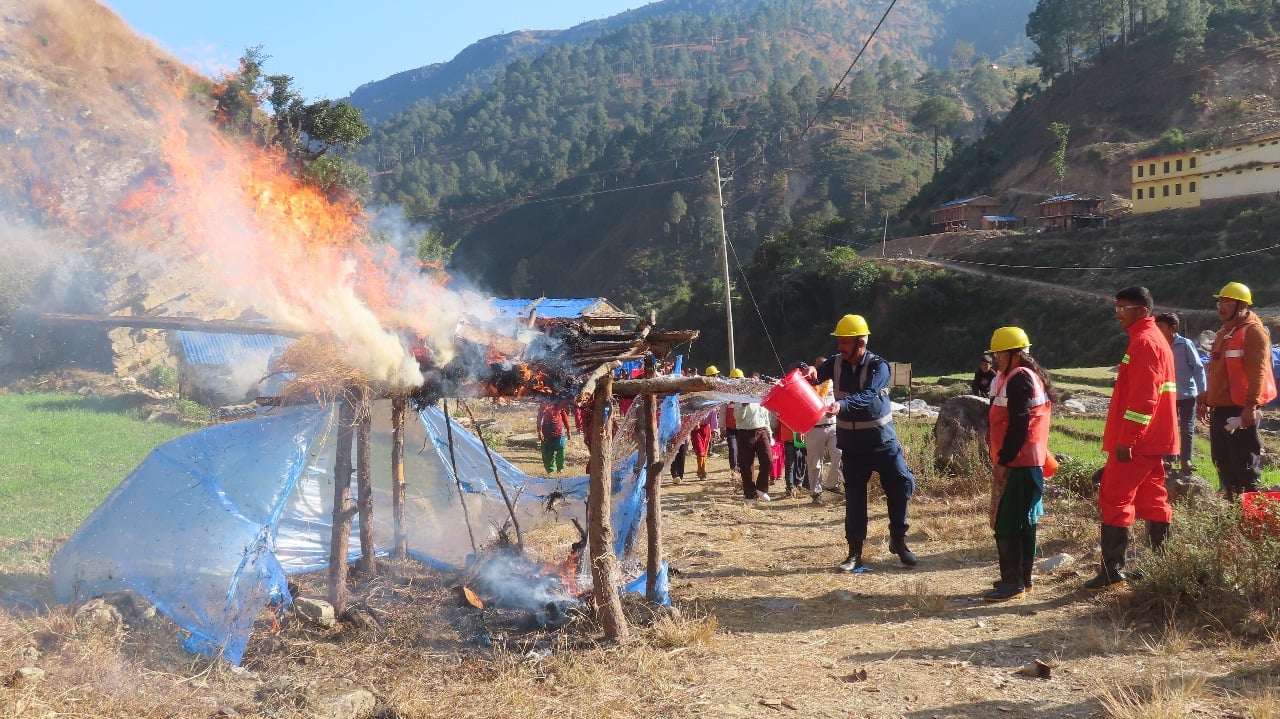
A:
(397, 477)
(652, 487)
(364, 485)
(342, 513)
(604, 565)
(511, 507)
(453, 464)
(664, 385)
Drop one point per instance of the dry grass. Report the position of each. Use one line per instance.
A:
(924, 598)
(1167, 698)
(683, 633)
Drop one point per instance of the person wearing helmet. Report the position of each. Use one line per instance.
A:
(1240, 382)
(1019, 444)
(867, 440)
(1141, 429)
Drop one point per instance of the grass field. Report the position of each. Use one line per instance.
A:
(60, 457)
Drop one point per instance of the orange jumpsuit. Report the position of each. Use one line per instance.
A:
(1144, 417)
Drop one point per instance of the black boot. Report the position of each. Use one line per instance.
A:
(854, 562)
(1115, 542)
(1157, 531)
(1028, 556)
(1010, 585)
(898, 546)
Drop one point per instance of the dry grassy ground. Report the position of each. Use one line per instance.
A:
(766, 627)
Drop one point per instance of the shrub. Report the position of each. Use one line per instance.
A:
(193, 411)
(163, 377)
(1211, 565)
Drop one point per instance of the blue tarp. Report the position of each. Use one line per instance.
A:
(210, 524)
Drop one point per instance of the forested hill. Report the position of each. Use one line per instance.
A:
(992, 27)
(587, 169)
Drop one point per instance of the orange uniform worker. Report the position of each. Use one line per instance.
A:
(1142, 427)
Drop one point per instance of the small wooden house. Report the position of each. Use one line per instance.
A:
(964, 214)
(1070, 211)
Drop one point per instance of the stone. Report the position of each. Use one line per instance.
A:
(1056, 562)
(1185, 485)
(337, 699)
(843, 595)
(25, 675)
(97, 614)
(1074, 406)
(961, 424)
(316, 611)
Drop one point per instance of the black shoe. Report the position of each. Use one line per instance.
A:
(898, 546)
(1104, 581)
(854, 561)
(1004, 592)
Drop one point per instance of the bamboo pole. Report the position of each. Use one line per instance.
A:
(397, 477)
(511, 508)
(652, 488)
(604, 565)
(341, 531)
(453, 463)
(364, 484)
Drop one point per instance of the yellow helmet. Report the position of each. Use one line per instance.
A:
(711, 371)
(1235, 291)
(1009, 338)
(851, 326)
(736, 373)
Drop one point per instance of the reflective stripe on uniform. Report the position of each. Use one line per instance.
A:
(841, 424)
(1169, 387)
(1125, 359)
(1137, 417)
(1233, 353)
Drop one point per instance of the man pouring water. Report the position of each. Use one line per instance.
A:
(866, 438)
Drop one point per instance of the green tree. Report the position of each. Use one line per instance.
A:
(1060, 130)
(1057, 28)
(1187, 24)
(939, 115)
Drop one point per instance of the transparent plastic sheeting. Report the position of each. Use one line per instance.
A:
(210, 524)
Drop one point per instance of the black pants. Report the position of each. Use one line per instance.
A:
(1237, 455)
(677, 464)
(731, 440)
(898, 483)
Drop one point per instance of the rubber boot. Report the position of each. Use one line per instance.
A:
(1010, 586)
(854, 562)
(1157, 531)
(1115, 542)
(1028, 556)
(898, 546)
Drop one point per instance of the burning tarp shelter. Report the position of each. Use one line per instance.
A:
(209, 526)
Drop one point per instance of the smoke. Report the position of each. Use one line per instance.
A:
(117, 153)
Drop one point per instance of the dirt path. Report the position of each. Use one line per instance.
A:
(901, 642)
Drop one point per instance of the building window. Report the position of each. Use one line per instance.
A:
(1193, 163)
(1152, 169)
(1179, 165)
(1140, 168)
(1139, 193)
(1191, 187)
(1166, 191)
(1166, 165)
(1177, 189)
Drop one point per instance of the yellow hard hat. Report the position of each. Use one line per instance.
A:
(1009, 338)
(711, 371)
(736, 373)
(1235, 291)
(851, 326)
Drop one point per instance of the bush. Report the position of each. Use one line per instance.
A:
(163, 377)
(193, 411)
(1211, 565)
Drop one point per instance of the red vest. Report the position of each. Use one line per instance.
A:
(1036, 448)
(1237, 374)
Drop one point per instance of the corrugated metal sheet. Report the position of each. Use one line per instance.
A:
(1000, 218)
(548, 308)
(218, 348)
(512, 307)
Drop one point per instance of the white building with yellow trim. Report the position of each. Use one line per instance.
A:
(1185, 179)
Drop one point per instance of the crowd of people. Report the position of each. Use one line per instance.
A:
(1162, 387)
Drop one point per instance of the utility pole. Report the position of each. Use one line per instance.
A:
(724, 262)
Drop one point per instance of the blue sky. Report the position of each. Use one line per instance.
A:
(331, 48)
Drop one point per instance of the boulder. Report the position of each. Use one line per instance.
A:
(97, 614)
(1186, 485)
(1061, 560)
(961, 423)
(337, 699)
(1074, 406)
(316, 611)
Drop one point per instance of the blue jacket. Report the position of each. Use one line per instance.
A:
(1188, 368)
(864, 423)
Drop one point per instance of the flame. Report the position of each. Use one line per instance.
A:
(232, 214)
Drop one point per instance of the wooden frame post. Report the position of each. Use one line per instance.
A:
(604, 565)
(342, 511)
(653, 486)
(364, 484)
(397, 477)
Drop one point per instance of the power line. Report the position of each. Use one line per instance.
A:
(1159, 265)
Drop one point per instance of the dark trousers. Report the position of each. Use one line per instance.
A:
(677, 464)
(898, 483)
(789, 463)
(731, 440)
(1186, 429)
(754, 445)
(1237, 455)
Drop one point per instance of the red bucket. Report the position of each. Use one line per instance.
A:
(795, 402)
